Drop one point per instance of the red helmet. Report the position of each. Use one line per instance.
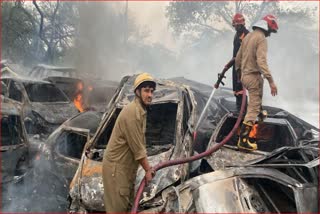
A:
(238, 19)
(272, 22)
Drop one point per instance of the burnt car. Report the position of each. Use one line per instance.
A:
(168, 137)
(280, 129)
(85, 91)
(274, 178)
(44, 106)
(285, 181)
(170, 127)
(15, 156)
(63, 148)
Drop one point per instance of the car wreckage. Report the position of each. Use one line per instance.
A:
(44, 106)
(15, 155)
(167, 138)
(87, 92)
(171, 119)
(283, 182)
(63, 148)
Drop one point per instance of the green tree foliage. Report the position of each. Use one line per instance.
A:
(38, 31)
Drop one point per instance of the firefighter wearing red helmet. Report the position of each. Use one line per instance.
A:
(238, 22)
(238, 19)
(272, 23)
(251, 61)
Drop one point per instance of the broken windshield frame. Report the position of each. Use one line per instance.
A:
(44, 92)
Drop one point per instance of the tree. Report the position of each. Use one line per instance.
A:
(38, 31)
(57, 27)
(195, 18)
(18, 30)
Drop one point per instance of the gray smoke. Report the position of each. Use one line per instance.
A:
(110, 47)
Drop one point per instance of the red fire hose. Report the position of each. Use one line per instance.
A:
(192, 158)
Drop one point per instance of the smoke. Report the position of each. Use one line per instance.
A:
(294, 62)
(39, 190)
(102, 43)
(115, 40)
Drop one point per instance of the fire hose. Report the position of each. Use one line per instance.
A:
(192, 158)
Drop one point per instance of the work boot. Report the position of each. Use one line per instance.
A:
(262, 116)
(244, 141)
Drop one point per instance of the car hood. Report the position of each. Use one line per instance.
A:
(55, 113)
(91, 185)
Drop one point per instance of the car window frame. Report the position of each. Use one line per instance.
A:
(80, 131)
(19, 88)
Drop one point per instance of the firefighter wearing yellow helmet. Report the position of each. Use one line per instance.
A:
(126, 148)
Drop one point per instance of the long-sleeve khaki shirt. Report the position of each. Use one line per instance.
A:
(252, 55)
(127, 143)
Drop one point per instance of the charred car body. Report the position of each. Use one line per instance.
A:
(44, 106)
(86, 92)
(285, 181)
(170, 123)
(168, 137)
(275, 178)
(63, 148)
(14, 147)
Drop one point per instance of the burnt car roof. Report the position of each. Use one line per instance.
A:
(166, 90)
(87, 120)
(57, 68)
(25, 80)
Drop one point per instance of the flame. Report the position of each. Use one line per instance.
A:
(254, 131)
(90, 88)
(78, 102)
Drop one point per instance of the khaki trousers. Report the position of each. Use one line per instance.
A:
(253, 82)
(118, 183)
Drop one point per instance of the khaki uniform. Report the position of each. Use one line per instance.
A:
(252, 60)
(120, 162)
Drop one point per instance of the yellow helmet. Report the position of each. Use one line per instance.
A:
(141, 78)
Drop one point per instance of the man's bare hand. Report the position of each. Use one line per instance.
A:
(149, 175)
(274, 90)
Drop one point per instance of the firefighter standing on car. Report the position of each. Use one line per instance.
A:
(251, 61)
(238, 22)
(126, 148)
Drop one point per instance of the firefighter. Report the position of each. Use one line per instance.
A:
(126, 148)
(251, 62)
(238, 22)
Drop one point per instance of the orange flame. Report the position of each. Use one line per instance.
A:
(254, 131)
(78, 102)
